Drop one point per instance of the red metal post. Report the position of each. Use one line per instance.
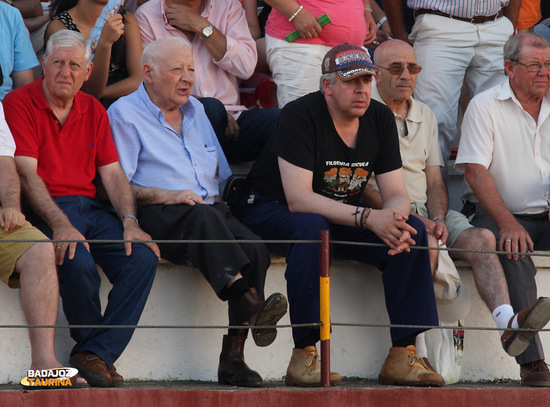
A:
(324, 286)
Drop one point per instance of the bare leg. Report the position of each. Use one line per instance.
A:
(488, 274)
(39, 300)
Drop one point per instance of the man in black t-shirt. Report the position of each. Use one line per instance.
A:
(311, 177)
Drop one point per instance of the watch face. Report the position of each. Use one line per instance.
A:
(207, 31)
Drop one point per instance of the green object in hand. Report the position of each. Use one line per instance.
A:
(294, 35)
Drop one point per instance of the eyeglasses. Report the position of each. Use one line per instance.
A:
(534, 66)
(397, 68)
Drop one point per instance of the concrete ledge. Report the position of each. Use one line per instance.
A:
(181, 297)
(357, 394)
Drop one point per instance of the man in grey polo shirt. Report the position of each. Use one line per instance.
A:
(456, 42)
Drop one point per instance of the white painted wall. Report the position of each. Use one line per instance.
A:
(180, 296)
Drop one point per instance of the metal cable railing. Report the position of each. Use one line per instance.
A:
(324, 324)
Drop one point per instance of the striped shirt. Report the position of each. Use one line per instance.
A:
(461, 8)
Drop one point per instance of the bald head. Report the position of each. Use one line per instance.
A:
(389, 48)
(156, 50)
(397, 70)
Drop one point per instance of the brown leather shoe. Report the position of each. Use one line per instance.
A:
(304, 369)
(92, 368)
(116, 378)
(534, 317)
(403, 367)
(535, 374)
(232, 369)
(263, 313)
(427, 363)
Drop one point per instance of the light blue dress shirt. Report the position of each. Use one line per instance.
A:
(16, 52)
(152, 154)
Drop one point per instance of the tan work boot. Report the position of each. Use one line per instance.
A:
(304, 369)
(403, 367)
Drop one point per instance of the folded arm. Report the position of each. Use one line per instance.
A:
(389, 223)
(160, 196)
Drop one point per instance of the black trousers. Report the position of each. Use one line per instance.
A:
(218, 262)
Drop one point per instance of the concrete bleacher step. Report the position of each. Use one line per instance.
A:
(352, 393)
(182, 330)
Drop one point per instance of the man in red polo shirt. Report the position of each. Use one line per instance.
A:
(62, 141)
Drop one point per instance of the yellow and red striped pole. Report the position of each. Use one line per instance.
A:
(324, 287)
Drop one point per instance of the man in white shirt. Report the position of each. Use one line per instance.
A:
(504, 154)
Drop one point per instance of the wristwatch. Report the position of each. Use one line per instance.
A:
(207, 31)
(129, 215)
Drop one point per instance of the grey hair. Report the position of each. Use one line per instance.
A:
(152, 51)
(330, 77)
(514, 45)
(68, 39)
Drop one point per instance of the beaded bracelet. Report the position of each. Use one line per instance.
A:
(293, 16)
(364, 217)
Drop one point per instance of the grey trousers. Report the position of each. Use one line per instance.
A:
(520, 273)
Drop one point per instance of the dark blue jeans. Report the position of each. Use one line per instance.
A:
(407, 277)
(79, 280)
(255, 127)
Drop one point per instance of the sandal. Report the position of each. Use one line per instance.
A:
(76, 382)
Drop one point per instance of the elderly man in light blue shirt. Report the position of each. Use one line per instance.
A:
(174, 164)
(152, 153)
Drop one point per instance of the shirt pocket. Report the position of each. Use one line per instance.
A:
(212, 165)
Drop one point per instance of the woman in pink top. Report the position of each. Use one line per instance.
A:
(296, 66)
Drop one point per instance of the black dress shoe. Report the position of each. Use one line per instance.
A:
(232, 369)
(263, 313)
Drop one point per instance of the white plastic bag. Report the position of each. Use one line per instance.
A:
(451, 296)
(445, 348)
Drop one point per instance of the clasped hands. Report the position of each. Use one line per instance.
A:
(391, 226)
